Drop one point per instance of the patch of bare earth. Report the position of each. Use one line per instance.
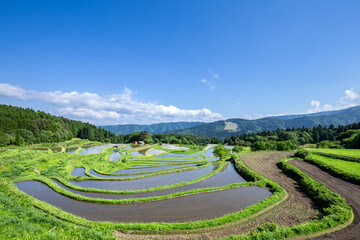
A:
(296, 208)
(349, 191)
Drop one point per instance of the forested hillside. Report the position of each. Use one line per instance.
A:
(26, 126)
(152, 128)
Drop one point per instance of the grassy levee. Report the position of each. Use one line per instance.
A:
(341, 157)
(161, 172)
(137, 173)
(189, 151)
(345, 154)
(184, 152)
(162, 162)
(348, 171)
(336, 214)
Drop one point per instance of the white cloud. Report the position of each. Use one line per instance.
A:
(117, 108)
(350, 96)
(350, 99)
(315, 103)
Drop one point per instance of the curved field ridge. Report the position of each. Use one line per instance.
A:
(349, 191)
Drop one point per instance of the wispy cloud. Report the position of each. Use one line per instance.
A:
(350, 99)
(207, 83)
(213, 74)
(116, 108)
(211, 79)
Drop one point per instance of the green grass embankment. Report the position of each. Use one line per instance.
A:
(346, 170)
(336, 213)
(160, 172)
(350, 155)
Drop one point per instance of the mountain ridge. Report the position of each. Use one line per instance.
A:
(217, 129)
(151, 128)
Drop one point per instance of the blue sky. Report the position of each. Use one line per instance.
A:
(110, 62)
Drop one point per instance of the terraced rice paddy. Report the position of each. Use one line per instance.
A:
(190, 195)
(168, 188)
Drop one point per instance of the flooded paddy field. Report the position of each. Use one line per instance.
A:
(71, 149)
(94, 149)
(190, 208)
(115, 156)
(151, 182)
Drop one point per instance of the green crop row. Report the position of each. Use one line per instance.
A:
(348, 171)
(336, 213)
(337, 156)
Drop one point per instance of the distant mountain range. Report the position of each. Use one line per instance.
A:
(152, 128)
(237, 126)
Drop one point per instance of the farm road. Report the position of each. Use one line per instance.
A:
(349, 191)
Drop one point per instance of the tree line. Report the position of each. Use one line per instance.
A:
(347, 136)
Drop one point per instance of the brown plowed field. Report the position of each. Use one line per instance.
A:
(296, 209)
(349, 191)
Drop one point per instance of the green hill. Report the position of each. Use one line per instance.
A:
(26, 126)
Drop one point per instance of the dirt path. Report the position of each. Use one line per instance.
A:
(296, 209)
(349, 191)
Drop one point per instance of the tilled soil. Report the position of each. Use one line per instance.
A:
(349, 191)
(297, 208)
